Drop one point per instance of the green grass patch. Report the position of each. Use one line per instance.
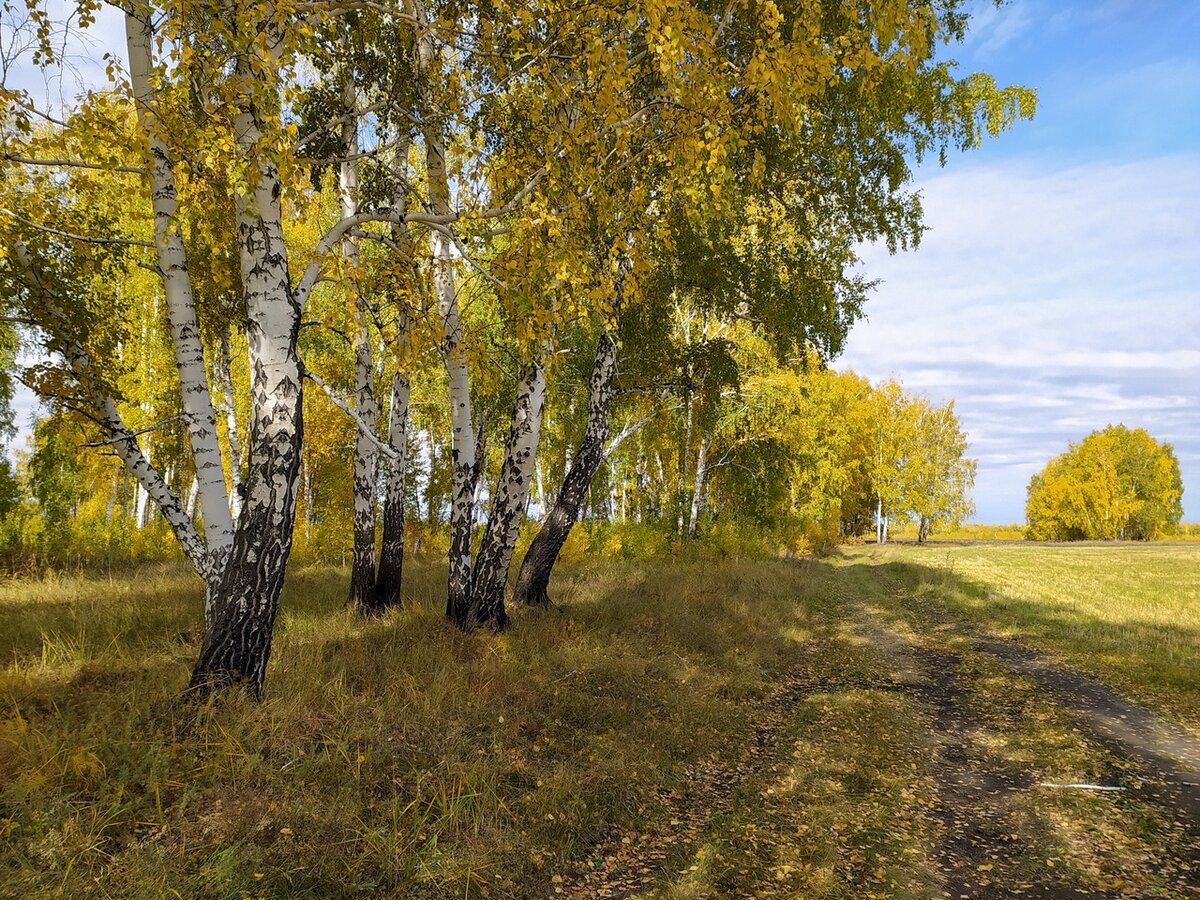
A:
(1126, 613)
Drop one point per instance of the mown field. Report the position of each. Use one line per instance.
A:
(696, 727)
(1128, 613)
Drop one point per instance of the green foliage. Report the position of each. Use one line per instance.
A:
(54, 476)
(1116, 484)
(10, 487)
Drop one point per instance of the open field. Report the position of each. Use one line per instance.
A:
(1127, 613)
(691, 728)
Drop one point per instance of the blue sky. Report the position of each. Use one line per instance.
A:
(1058, 288)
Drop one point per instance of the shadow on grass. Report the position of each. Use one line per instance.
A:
(1154, 663)
(388, 754)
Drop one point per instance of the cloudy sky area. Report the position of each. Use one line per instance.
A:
(1058, 288)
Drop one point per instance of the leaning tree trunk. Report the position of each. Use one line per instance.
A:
(508, 505)
(923, 530)
(177, 288)
(237, 639)
(533, 580)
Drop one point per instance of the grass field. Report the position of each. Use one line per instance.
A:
(693, 728)
(1128, 613)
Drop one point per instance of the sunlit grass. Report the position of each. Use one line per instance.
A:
(1129, 613)
(398, 757)
(394, 756)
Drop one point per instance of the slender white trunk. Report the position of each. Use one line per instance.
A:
(462, 435)
(192, 492)
(541, 490)
(223, 376)
(366, 454)
(698, 487)
(139, 500)
(681, 481)
(177, 286)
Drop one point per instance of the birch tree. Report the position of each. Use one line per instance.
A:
(243, 62)
(831, 102)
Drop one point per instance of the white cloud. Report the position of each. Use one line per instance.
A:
(1047, 302)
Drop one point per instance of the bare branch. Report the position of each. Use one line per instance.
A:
(345, 407)
(133, 434)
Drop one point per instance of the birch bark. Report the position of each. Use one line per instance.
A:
(177, 287)
(237, 641)
(533, 579)
(391, 551)
(698, 487)
(508, 503)
(223, 377)
(462, 436)
(366, 456)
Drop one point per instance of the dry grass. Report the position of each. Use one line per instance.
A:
(389, 757)
(400, 758)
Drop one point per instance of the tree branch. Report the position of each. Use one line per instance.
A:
(71, 163)
(345, 407)
(70, 235)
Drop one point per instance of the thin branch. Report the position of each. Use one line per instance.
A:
(71, 163)
(363, 427)
(630, 428)
(134, 434)
(70, 235)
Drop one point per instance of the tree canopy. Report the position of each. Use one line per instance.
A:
(1117, 483)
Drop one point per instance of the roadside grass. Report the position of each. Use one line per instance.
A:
(391, 757)
(1128, 614)
(1099, 840)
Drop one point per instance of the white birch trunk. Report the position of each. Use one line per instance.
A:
(181, 309)
(139, 500)
(698, 487)
(462, 435)
(237, 643)
(366, 454)
(192, 492)
(223, 376)
(680, 490)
